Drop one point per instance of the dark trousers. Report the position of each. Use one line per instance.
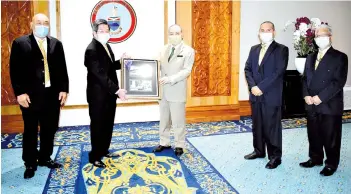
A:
(324, 131)
(43, 110)
(102, 116)
(267, 130)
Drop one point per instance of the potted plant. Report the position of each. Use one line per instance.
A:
(303, 37)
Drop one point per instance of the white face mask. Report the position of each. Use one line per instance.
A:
(174, 39)
(322, 42)
(103, 37)
(266, 37)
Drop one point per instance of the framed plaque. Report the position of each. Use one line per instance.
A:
(140, 77)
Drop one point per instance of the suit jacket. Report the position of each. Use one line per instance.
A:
(177, 69)
(102, 79)
(27, 67)
(327, 81)
(268, 76)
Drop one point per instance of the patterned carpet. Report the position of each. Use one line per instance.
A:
(210, 164)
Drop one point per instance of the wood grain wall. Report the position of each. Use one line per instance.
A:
(214, 32)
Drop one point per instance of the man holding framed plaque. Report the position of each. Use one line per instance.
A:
(102, 91)
(177, 61)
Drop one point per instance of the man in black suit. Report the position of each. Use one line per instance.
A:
(324, 78)
(264, 71)
(102, 91)
(40, 82)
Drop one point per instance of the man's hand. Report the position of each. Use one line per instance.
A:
(164, 80)
(309, 100)
(122, 94)
(316, 100)
(63, 97)
(124, 56)
(256, 91)
(23, 100)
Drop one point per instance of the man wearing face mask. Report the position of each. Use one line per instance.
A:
(264, 71)
(177, 60)
(324, 78)
(102, 91)
(40, 82)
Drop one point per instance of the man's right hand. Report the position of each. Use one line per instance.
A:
(309, 100)
(122, 94)
(23, 100)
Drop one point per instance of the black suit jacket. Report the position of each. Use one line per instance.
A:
(27, 67)
(269, 75)
(327, 81)
(102, 79)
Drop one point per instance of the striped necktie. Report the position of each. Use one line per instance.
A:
(319, 58)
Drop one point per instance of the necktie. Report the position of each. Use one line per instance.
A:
(46, 65)
(319, 58)
(262, 53)
(105, 46)
(172, 53)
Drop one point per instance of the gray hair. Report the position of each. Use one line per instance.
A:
(325, 26)
(98, 22)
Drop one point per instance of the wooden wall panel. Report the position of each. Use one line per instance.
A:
(211, 38)
(15, 22)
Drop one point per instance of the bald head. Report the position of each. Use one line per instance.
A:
(174, 29)
(40, 25)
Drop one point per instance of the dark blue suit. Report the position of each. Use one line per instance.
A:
(266, 109)
(324, 121)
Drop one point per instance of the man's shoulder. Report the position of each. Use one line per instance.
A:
(338, 52)
(23, 38)
(188, 48)
(54, 40)
(282, 46)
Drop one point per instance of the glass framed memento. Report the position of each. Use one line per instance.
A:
(140, 77)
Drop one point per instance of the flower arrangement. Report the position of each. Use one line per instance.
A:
(304, 35)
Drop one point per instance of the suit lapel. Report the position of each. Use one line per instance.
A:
(268, 53)
(35, 47)
(49, 46)
(310, 69)
(324, 62)
(166, 54)
(176, 52)
(111, 53)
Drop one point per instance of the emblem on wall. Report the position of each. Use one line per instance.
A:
(120, 15)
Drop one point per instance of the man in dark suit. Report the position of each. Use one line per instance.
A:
(102, 91)
(324, 78)
(264, 71)
(39, 79)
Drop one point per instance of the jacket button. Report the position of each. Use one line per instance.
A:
(42, 59)
(43, 83)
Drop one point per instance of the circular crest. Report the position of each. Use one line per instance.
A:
(120, 16)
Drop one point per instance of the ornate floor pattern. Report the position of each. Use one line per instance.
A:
(199, 170)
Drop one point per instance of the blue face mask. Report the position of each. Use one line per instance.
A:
(41, 31)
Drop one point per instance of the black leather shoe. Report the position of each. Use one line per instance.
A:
(50, 164)
(29, 172)
(178, 151)
(310, 164)
(110, 155)
(253, 155)
(99, 164)
(327, 171)
(160, 148)
(273, 164)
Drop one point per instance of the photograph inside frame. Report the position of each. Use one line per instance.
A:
(140, 78)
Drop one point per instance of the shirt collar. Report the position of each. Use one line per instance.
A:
(38, 39)
(177, 46)
(325, 50)
(267, 44)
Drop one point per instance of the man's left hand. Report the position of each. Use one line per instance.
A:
(165, 80)
(256, 91)
(63, 97)
(316, 100)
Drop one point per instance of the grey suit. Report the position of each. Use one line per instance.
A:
(172, 103)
